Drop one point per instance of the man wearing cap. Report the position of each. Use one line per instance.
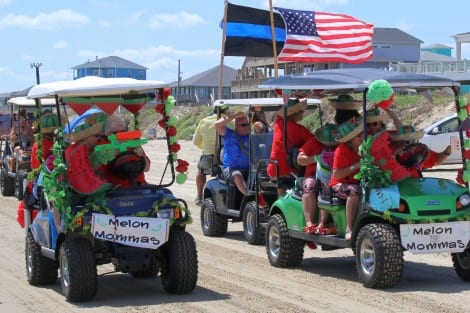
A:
(236, 160)
(297, 135)
(346, 164)
(205, 139)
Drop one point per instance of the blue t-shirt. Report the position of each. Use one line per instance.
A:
(236, 150)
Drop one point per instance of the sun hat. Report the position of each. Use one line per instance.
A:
(405, 133)
(375, 115)
(92, 125)
(327, 134)
(294, 105)
(350, 129)
(345, 102)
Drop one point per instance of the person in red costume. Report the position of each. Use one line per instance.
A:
(346, 164)
(47, 134)
(297, 135)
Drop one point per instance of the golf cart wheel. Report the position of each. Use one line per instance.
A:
(212, 223)
(77, 270)
(252, 231)
(7, 183)
(379, 256)
(461, 263)
(40, 270)
(179, 270)
(282, 250)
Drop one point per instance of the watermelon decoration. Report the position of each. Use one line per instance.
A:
(380, 93)
(80, 174)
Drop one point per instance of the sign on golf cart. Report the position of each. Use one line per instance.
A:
(386, 224)
(143, 232)
(435, 238)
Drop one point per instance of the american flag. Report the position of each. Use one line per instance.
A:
(325, 37)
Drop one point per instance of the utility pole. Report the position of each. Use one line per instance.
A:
(179, 82)
(36, 65)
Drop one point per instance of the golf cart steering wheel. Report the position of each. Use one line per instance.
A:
(413, 154)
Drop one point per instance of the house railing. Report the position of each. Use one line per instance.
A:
(432, 67)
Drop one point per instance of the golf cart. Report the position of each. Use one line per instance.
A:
(221, 199)
(139, 228)
(428, 215)
(15, 165)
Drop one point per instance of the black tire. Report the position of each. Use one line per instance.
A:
(461, 263)
(19, 192)
(282, 250)
(212, 223)
(77, 270)
(379, 256)
(39, 269)
(254, 234)
(7, 183)
(150, 272)
(180, 268)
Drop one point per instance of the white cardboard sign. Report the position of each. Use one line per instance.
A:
(435, 237)
(142, 232)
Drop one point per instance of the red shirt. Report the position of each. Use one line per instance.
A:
(46, 149)
(297, 135)
(344, 157)
(311, 147)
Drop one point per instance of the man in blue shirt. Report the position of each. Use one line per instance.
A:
(236, 149)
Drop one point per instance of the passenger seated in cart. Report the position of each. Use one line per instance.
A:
(21, 142)
(236, 149)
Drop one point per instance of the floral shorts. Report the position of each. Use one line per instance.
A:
(310, 185)
(346, 190)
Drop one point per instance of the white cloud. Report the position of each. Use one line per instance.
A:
(5, 2)
(46, 21)
(179, 20)
(105, 24)
(136, 16)
(61, 44)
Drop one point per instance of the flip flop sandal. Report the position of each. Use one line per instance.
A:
(311, 245)
(310, 229)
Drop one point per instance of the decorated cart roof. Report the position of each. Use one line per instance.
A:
(105, 93)
(24, 101)
(258, 101)
(357, 79)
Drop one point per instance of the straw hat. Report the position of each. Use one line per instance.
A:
(350, 129)
(91, 126)
(375, 115)
(294, 105)
(405, 133)
(345, 102)
(327, 134)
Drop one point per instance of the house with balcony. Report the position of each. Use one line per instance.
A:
(112, 66)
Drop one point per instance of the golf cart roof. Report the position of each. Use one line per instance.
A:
(94, 86)
(24, 101)
(357, 79)
(258, 102)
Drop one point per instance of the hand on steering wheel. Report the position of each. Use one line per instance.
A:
(413, 154)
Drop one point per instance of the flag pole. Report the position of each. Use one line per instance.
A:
(222, 49)
(273, 35)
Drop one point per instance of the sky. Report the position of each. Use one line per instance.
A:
(160, 34)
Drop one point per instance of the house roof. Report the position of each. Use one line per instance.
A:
(393, 35)
(428, 56)
(110, 62)
(436, 46)
(209, 78)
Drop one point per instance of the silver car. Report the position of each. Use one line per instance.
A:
(437, 137)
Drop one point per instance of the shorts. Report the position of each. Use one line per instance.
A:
(310, 185)
(229, 174)
(205, 164)
(346, 190)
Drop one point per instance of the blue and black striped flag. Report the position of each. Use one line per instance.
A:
(248, 32)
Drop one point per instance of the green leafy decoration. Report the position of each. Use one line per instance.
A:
(370, 174)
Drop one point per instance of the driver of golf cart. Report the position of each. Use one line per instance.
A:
(236, 149)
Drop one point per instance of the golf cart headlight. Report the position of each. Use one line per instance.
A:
(168, 213)
(464, 200)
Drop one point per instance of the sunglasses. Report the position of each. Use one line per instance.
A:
(243, 124)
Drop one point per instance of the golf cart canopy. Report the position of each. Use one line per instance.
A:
(356, 79)
(94, 86)
(267, 104)
(24, 101)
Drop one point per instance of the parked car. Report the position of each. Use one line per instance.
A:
(437, 137)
